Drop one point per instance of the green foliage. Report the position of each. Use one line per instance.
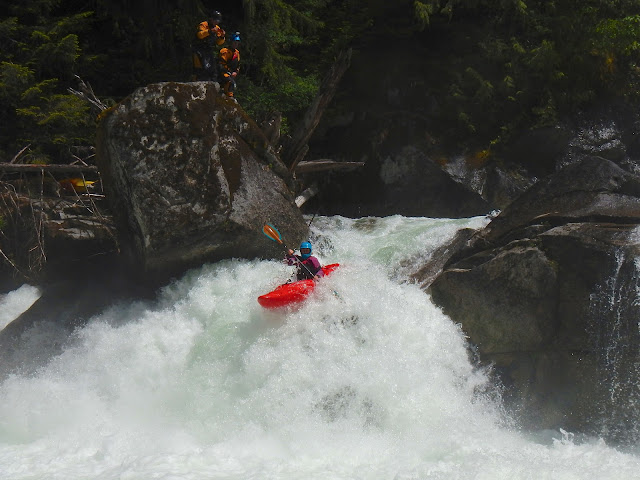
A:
(275, 79)
(423, 12)
(292, 96)
(49, 121)
(34, 71)
(289, 45)
(144, 42)
(500, 67)
(274, 28)
(616, 44)
(524, 63)
(620, 35)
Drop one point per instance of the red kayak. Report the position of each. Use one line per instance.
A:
(292, 293)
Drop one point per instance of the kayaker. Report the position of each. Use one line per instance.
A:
(308, 266)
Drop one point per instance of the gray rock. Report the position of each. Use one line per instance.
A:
(547, 294)
(191, 178)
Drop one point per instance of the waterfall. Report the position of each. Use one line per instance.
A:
(367, 379)
(617, 348)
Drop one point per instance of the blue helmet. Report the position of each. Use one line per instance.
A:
(305, 250)
(235, 37)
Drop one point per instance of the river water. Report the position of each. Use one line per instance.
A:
(367, 380)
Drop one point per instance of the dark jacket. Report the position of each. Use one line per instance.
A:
(307, 268)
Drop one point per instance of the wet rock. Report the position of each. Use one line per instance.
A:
(192, 179)
(548, 290)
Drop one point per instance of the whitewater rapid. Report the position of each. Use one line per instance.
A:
(368, 380)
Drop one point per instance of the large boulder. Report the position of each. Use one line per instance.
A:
(191, 178)
(548, 294)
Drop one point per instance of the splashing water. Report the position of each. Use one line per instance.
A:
(619, 361)
(16, 302)
(366, 380)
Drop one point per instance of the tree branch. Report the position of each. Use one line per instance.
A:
(86, 94)
(325, 164)
(294, 148)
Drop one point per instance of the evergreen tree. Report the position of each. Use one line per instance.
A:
(36, 67)
(500, 66)
(141, 42)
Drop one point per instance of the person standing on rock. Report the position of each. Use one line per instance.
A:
(209, 37)
(229, 64)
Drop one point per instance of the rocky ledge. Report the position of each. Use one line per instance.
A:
(547, 294)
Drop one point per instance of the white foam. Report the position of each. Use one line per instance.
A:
(366, 380)
(16, 302)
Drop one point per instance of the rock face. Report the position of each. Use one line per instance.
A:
(548, 294)
(192, 179)
(407, 182)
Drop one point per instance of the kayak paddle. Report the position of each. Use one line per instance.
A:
(273, 233)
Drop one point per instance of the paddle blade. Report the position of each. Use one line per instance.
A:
(272, 232)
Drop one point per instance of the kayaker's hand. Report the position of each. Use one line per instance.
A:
(290, 252)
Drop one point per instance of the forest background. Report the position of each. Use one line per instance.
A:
(503, 66)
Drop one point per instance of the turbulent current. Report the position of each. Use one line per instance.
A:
(367, 380)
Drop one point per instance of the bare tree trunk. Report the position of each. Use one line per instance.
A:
(296, 147)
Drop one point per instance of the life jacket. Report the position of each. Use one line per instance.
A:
(308, 268)
(229, 59)
(205, 35)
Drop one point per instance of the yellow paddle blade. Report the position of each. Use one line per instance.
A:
(77, 184)
(272, 232)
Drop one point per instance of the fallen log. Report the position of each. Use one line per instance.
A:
(325, 164)
(306, 195)
(31, 167)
